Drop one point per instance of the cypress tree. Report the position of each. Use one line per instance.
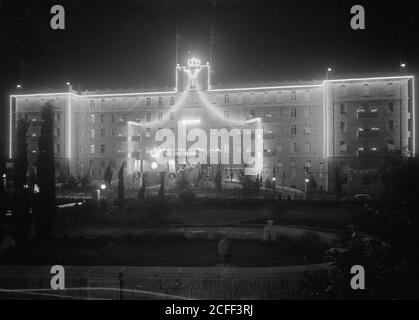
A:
(45, 207)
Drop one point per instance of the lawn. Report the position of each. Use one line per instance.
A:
(334, 218)
(149, 251)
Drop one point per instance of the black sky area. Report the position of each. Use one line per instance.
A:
(111, 44)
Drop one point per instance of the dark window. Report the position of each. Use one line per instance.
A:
(391, 106)
(366, 181)
(391, 125)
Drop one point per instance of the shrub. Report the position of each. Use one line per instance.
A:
(133, 207)
(157, 208)
(188, 198)
(175, 204)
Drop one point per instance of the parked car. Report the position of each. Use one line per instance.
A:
(363, 197)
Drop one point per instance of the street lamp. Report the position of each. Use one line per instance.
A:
(327, 72)
(18, 86)
(101, 187)
(4, 176)
(403, 66)
(306, 180)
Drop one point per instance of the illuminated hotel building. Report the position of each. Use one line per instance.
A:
(320, 129)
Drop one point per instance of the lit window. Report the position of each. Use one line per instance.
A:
(307, 129)
(92, 104)
(343, 91)
(366, 90)
(192, 83)
(92, 148)
(148, 132)
(92, 118)
(92, 133)
(389, 89)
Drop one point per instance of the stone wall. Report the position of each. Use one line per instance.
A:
(120, 282)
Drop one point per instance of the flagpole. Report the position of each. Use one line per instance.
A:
(177, 45)
(210, 43)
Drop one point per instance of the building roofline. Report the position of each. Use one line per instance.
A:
(305, 84)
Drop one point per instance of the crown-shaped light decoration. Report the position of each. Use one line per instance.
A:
(194, 62)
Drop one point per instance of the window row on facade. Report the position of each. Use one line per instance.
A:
(148, 101)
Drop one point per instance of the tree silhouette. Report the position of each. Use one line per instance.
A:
(45, 200)
(107, 176)
(121, 184)
(21, 163)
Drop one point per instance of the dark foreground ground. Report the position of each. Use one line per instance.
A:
(161, 252)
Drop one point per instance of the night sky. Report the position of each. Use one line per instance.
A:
(111, 44)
